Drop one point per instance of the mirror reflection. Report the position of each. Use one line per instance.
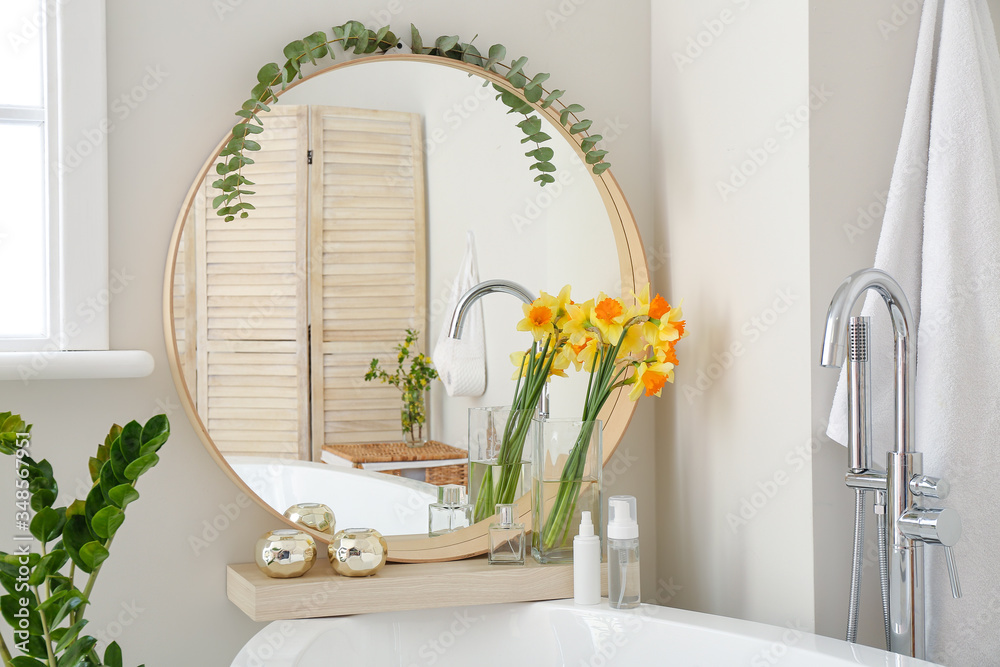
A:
(380, 188)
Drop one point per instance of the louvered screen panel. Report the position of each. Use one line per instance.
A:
(185, 301)
(252, 354)
(367, 222)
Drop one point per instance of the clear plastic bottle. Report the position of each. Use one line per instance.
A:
(623, 552)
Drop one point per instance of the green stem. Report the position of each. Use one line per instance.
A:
(5, 652)
(45, 631)
(91, 580)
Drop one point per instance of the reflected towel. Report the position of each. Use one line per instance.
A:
(461, 363)
(941, 240)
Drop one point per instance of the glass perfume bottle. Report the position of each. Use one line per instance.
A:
(451, 512)
(506, 539)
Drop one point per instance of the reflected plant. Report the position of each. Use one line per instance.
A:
(412, 381)
(354, 37)
(43, 605)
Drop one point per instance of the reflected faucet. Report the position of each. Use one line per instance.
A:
(476, 293)
(902, 488)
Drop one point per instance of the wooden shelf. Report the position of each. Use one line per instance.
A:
(397, 587)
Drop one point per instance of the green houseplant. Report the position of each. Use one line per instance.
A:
(412, 381)
(43, 604)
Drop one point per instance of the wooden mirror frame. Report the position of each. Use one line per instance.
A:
(617, 412)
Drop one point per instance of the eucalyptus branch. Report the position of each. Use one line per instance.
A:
(525, 96)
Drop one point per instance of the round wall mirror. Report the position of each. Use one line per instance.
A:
(377, 182)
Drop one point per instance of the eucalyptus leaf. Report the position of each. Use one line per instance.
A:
(589, 142)
(537, 80)
(593, 157)
(268, 74)
(446, 43)
(543, 166)
(316, 45)
(496, 54)
(545, 178)
(601, 167)
(515, 67)
(582, 126)
(533, 94)
(565, 114)
(416, 44)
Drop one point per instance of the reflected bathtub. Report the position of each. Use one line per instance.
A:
(550, 634)
(359, 498)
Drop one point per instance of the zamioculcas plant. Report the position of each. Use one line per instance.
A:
(43, 604)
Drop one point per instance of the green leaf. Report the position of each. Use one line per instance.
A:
(75, 654)
(537, 138)
(113, 655)
(515, 67)
(109, 480)
(316, 45)
(140, 466)
(154, 434)
(74, 599)
(536, 81)
(25, 661)
(589, 142)
(53, 602)
(385, 39)
(532, 125)
(76, 534)
(517, 79)
(123, 494)
(107, 522)
(10, 607)
(416, 44)
(95, 502)
(533, 94)
(268, 74)
(93, 554)
(295, 51)
(49, 564)
(42, 498)
(471, 54)
(552, 97)
(593, 157)
(545, 178)
(542, 154)
(446, 43)
(131, 438)
(582, 126)
(601, 167)
(571, 109)
(47, 524)
(497, 53)
(543, 166)
(70, 634)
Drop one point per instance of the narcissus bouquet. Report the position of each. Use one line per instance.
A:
(619, 344)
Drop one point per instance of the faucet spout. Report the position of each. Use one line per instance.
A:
(904, 332)
(479, 291)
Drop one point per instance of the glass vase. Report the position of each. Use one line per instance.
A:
(500, 446)
(566, 482)
(412, 417)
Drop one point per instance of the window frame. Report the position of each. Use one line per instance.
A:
(76, 128)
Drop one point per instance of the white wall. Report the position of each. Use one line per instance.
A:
(735, 520)
(204, 62)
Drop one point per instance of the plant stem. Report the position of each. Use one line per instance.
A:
(4, 652)
(45, 631)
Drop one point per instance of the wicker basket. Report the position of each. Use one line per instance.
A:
(448, 475)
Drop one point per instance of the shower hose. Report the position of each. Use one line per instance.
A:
(858, 563)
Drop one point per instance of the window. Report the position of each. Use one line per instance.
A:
(53, 177)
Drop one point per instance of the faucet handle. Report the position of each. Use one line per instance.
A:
(934, 526)
(929, 487)
(956, 586)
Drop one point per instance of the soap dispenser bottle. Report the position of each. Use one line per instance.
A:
(506, 539)
(623, 552)
(450, 513)
(586, 563)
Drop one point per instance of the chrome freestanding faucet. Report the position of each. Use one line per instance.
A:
(902, 486)
(477, 292)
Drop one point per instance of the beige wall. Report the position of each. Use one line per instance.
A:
(730, 162)
(177, 611)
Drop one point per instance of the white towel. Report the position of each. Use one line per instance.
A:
(461, 363)
(941, 240)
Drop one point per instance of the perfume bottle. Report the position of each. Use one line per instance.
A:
(506, 539)
(450, 512)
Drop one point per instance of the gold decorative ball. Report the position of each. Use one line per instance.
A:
(317, 516)
(358, 552)
(285, 553)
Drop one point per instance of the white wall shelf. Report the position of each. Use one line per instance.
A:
(75, 365)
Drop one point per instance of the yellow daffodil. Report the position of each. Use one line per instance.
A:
(651, 378)
(539, 316)
(561, 301)
(664, 351)
(609, 316)
(582, 355)
(576, 324)
(642, 300)
(559, 365)
(671, 327)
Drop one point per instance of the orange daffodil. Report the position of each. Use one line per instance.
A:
(641, 336)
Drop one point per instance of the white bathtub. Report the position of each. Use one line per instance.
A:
(359, 498)
(549, 634)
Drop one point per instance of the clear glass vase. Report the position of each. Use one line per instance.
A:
(500, 446)
(412, 417)
(566, 482)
